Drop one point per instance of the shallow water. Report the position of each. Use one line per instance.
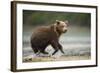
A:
(75, 42)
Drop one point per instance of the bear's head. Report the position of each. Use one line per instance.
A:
(61, 26)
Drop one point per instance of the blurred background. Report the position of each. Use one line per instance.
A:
(76, 42)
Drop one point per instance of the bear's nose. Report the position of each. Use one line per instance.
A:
(65, 30)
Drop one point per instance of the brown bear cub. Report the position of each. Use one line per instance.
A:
(48, 35)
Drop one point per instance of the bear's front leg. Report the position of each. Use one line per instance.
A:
(55, 44)
(60, 48)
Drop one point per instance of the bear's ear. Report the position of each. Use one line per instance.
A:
(67, 22)
(57, 22)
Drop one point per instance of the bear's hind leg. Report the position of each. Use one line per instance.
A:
(35, 50)
(43, 51)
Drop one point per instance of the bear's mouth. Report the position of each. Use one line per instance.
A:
(64, 31)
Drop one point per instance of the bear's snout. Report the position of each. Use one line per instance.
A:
(65, 30)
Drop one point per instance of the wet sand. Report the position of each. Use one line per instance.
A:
(62, 58)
